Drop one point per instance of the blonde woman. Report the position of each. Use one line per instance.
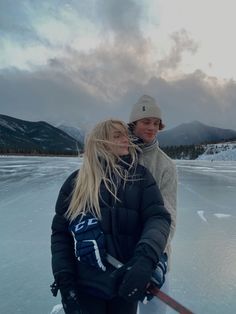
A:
(112, 205)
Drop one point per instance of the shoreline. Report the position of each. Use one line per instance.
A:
(39, 155)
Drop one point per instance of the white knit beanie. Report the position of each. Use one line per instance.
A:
(146, 107)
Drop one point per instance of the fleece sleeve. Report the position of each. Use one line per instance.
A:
(168, 187)
(156, 219)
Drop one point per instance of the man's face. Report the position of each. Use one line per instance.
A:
(147, 129)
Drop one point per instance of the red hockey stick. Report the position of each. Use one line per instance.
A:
(169, 301)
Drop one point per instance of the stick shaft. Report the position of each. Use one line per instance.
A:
(170, 301)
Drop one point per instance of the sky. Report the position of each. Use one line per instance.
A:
(79, 62)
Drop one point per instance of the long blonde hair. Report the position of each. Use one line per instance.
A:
(99, 164)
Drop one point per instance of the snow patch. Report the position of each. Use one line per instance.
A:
(56, 309)
(201, 215)
(6, 125)
(12, 126)
(219, 215)
(221, 151)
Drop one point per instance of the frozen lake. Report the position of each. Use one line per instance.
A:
(203, 275)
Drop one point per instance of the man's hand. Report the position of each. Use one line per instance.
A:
(160, 272)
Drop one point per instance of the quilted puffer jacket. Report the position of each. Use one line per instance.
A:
(138, 220)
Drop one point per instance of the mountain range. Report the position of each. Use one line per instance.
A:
(194, 133)
(19, 136)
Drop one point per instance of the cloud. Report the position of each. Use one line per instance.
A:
(107, 71)
(121, 17)
(15, 22)
(196, 96)
(52, 23)
(54, 97)
(182, 43)
(49, 96)
(83, 86)
(113, 67)
(122, 56)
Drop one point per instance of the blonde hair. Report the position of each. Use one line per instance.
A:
(100, 164)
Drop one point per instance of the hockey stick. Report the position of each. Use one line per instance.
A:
(155, 291)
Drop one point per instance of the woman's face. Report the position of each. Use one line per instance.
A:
(120, 141)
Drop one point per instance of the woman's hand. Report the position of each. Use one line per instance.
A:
(70, 302)
(136, 277)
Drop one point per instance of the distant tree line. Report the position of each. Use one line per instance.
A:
(174, 152)
(184, 151)
(28, 151)
(232, 139)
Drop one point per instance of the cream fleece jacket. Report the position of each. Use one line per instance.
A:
(164, 171)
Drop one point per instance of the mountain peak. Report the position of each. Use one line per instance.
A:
(20, 136)
(194, 133)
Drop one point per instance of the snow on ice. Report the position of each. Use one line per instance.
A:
(221, 151)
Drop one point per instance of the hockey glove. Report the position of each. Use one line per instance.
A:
(136, 276)
(158, 275)
(70, 302)
(89, 242)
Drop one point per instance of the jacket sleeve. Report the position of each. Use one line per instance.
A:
(62, 246)
(156, 219)
(168, 187)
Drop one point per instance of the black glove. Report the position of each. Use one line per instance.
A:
(136, 276)
(70, 302)
(69, 296)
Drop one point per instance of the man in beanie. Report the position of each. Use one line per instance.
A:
(145, 122)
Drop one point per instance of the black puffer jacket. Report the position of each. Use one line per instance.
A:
(139, 219)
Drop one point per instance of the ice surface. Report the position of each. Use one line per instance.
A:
(203, 272)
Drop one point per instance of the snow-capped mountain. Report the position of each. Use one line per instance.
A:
(76, 133)
(194, 133)
(20, 136)
(220, 151)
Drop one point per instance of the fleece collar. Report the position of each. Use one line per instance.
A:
(146, 146)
